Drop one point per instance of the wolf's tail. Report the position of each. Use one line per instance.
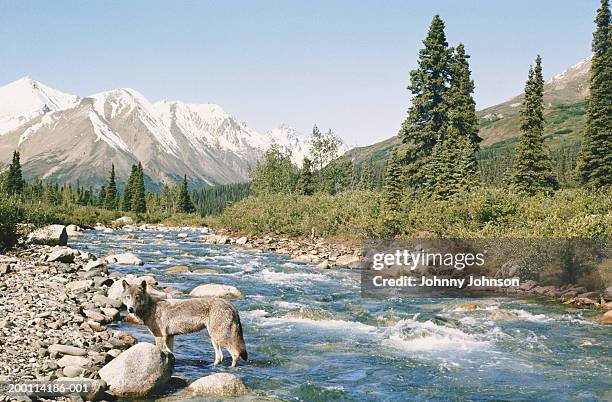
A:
(237, 338)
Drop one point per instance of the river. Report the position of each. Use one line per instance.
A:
(311, 336)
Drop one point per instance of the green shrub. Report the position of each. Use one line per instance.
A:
(10, 215)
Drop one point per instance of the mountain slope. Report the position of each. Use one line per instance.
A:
(564, 98)
(66, 138)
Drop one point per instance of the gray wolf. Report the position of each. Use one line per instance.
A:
(166, 318)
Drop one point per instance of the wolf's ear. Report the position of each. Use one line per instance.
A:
(143, 285)
(125, 284)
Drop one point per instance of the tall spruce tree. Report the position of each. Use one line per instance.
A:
(392, 195)
(14, 180)
(532, 169)
(111, 191)
(126, 202)
(138, 191)
(428, 115)
(184, 203)
(595, 160)
(304, 184)
(461, 105)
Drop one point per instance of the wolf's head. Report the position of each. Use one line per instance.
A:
(135, 297)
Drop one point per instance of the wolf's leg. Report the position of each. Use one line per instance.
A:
(218, 352)
(234, 352)
(170, 343)
(159, 342)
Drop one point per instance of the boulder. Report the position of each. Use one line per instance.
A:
(52, 235)
(114, 292)
(219, 384)
(528, 285)
(349, 261)
(242, 240)
(65, 255)
(307, 258)
(182, 235)
(141, 370)
(124, 259)
(124, 220)
(103, 301)
(215, 290)
(95, 389)
(323, 265)
(607, 294)
(73, 371)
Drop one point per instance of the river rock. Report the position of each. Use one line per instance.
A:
(52, 235)
(242, 240)
(66, 350)
(139, 371)
(124, 259)
(114, 292)
(323, 265)
(103, 301)
(68, 360)
(607, 294)
(65, 255)
(216, 290)
(349, 261)
(527, 285)
(124, 220)
(79, 286)
(219, 384)
(607, 317)
(73, 371)
(93, 264)
(179, 269)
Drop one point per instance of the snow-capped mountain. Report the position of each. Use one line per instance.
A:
(67, 138)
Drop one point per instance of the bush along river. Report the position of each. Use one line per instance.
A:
(311, 336)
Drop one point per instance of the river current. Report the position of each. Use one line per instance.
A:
(312, 337)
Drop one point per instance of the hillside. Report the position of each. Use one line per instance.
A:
(564, 98)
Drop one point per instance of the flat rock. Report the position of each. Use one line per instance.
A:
(350, 261)
(139, 371)
(65, 255)
(73, 371)
(124, 259)
(219, 384)
(78, 286)
(103, 301)
(66, 350)
(93, 264)
(68, 360)
(216, 290)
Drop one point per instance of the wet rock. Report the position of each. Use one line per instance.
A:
(323, 265)
(607, 317)
(502, 315)
(182, 235)
(52, 235)
(57, 348)
(220, 384)
(215, 290)
(307, 258)
(124, 259)
(178, 269)
(139, 371)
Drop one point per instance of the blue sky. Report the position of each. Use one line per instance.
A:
(341, 64)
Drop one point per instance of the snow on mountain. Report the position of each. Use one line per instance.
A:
(25, 99)
(63, 137)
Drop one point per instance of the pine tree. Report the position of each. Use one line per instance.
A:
(462, 108)
(366, 179)
(532, 169)
(126, 203)
(184, 204)
(392, 194)
(428, 116)
(102, 197)
(111, 191)
(14, 181)
(595, 160)
(304, 184)
(138, 191)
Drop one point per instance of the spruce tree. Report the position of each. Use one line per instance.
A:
(428, 115)
(14, 180)
(111, 191)
(366, 177)
(138, 191)
(126, 203)
(184, 204)
(392, 194)
(462, 108)
(532, 169)
(304, 184)
(595, 160)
